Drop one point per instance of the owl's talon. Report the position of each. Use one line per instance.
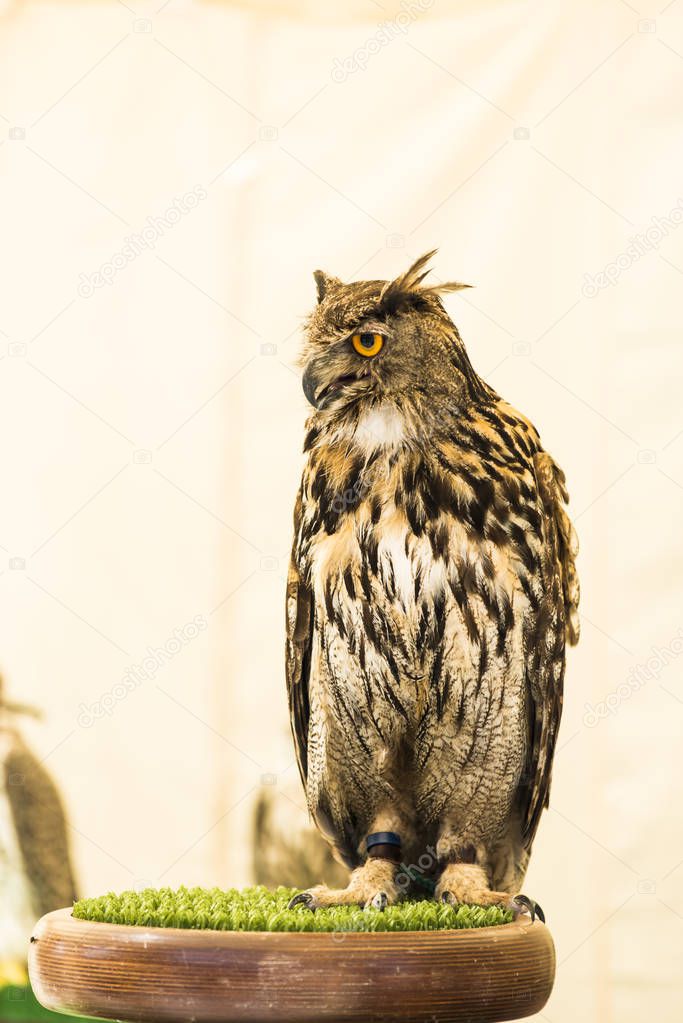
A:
(522, 904)
(302, 899)
(380, 901)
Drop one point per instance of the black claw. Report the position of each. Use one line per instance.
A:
(302, 899)
(378, 901)
(533, 908)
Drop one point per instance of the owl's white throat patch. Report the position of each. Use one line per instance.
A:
(381, 426)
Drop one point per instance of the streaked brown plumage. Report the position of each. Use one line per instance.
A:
(431, 590)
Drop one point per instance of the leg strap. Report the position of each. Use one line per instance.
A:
(384, 845)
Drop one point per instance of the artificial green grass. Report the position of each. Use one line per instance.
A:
(260, 909)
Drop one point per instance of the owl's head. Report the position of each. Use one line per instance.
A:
(371, 342)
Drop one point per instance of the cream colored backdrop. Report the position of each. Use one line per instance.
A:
(151, 426)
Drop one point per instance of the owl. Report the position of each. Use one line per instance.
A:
(36, 874)
(431, 593)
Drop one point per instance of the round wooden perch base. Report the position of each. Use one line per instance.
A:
(164, 974)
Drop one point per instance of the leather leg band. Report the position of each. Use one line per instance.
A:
(385, 852)
(385, 845)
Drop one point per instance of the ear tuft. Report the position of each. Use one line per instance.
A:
(324, 282)
(408, 287)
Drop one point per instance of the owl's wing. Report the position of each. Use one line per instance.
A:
(556, 622)
(299, 624)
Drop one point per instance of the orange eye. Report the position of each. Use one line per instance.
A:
(367, 344)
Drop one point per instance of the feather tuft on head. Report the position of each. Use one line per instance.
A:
(324, 283)
(407, 289)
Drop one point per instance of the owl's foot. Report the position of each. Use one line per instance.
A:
(522, 904)
(468, 883)
(371, 886)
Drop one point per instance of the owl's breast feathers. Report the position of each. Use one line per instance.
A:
(423, 564)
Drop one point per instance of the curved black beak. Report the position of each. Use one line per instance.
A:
(311, 383)
(319, 389)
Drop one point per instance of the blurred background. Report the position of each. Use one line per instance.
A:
(171, 174)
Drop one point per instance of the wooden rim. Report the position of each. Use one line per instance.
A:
(168, 974)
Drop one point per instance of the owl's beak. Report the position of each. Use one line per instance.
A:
(312, 382)
(319, 389)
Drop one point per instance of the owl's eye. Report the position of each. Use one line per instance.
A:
(367, 344)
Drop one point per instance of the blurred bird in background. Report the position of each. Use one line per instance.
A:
(431, 592)
(36, 875)
(286, 850)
